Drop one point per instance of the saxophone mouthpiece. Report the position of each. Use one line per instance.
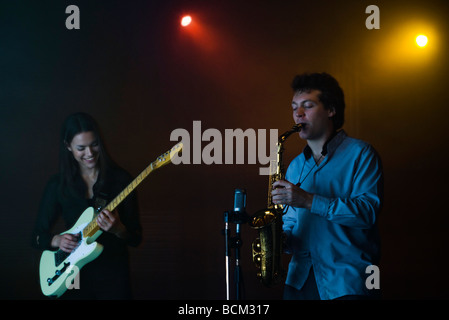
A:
(297, 127)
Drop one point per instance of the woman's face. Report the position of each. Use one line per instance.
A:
(85, 150)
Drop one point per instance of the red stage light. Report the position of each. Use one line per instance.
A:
(186, 20)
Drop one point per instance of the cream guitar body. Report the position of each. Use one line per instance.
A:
(57, 269)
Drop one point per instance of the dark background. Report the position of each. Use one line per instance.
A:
(142, 76)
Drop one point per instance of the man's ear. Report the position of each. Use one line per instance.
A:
(331, 112)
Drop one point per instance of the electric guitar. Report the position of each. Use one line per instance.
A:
(58, 269)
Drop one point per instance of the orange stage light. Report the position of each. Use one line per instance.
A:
(186, 20)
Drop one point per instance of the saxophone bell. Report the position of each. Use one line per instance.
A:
(267, 248)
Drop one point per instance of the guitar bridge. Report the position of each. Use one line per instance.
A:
(58, 273)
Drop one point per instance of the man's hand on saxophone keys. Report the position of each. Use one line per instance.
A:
(287, 193)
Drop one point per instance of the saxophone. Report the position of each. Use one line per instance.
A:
(267, 248)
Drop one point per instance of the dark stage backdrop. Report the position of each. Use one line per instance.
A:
(142, 76)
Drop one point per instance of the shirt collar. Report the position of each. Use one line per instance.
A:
(330, 145)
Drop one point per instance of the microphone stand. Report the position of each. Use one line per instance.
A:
(238, 217)
(226, 234)
(236, 243)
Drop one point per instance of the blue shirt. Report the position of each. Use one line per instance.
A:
(339, 235)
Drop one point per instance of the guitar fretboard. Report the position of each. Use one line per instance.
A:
(92, 228)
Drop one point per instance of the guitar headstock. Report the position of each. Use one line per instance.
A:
(168, 156)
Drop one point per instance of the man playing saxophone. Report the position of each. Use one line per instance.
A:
(333, 192)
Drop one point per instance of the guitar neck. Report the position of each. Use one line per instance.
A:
(130, 188)
(92, 229)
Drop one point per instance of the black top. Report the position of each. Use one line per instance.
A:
(112, 263)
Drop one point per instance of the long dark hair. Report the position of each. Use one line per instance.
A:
(69, 170)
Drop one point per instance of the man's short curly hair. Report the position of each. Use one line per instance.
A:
(331, 94)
